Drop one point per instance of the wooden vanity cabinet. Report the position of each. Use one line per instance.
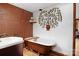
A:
(16, 50)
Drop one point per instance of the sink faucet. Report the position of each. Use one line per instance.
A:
(3, 35)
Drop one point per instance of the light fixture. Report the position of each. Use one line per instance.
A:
(32, 20)
(49, 19)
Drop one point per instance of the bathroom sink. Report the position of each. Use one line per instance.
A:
(10, 41)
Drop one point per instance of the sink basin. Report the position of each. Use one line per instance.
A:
(10, 41)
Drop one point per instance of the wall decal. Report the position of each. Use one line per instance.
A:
(49, 19)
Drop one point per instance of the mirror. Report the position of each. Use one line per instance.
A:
(77, 10)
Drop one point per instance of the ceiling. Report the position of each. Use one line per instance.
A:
(32, 7)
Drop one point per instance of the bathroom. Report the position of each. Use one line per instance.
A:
(21, 20)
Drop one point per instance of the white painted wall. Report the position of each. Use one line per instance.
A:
(62, 34)
(77, 11)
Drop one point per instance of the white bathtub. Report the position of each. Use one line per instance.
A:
(10, 41)
(40, 45)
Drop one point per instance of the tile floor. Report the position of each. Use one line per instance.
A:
(27, 52)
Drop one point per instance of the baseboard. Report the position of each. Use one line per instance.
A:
(54, 53)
